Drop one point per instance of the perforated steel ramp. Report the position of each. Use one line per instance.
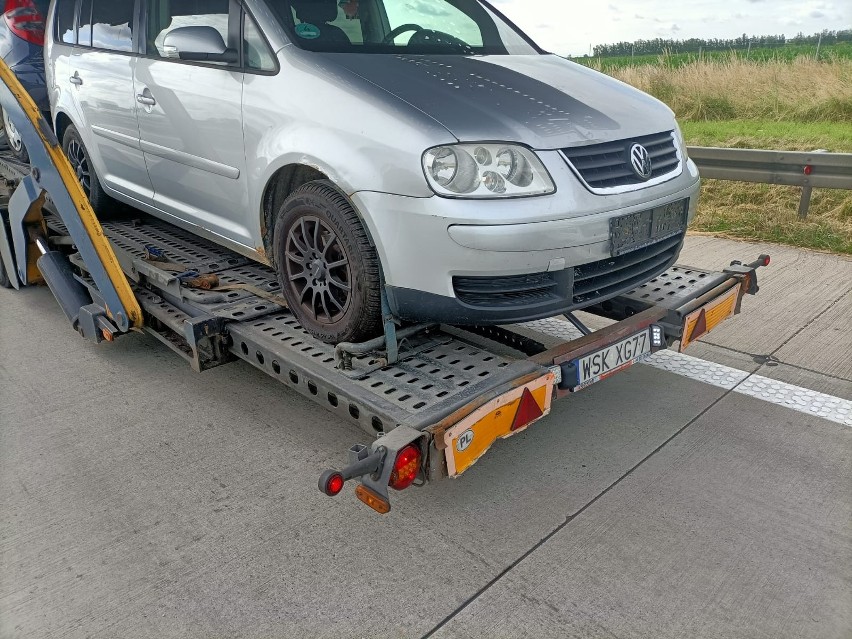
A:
(132, 238)
(672, 288)
(443, 373)
(438, 374)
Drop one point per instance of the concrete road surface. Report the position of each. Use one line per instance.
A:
(140, 499)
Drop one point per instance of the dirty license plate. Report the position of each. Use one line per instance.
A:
(608, 361)
(637, 230)
(507, 415)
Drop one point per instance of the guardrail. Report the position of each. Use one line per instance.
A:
(808, 170)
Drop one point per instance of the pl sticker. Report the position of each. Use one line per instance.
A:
(307, 31)
(464, 441)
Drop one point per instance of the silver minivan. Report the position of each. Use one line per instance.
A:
(421, 153)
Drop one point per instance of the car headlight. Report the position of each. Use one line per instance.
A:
(486, 171)
(681, 141)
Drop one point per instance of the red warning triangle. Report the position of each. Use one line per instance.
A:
(700, 327)
(528, 411)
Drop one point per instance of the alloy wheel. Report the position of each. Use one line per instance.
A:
(80, 164)
(318, 269)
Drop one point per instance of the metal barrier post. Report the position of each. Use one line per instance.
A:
(808, 170)
(805, 202)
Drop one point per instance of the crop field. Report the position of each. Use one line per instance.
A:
(786, 53)
(799, 104)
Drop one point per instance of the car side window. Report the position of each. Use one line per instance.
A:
(164, 16)
(106, 24)
(257, 53)
(65, 21)
(84, 24)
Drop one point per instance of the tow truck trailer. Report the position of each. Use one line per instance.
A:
(432, 398)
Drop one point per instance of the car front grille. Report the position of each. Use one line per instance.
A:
(601, 280)
(510, 291)
(607, 166)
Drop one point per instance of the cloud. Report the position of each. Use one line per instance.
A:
(572, 28)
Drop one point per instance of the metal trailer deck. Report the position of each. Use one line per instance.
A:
(424, 399)
(438, 372)
(443, 375)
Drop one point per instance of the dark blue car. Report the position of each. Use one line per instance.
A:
(22, 48)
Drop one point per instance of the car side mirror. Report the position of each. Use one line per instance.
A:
(200, 44)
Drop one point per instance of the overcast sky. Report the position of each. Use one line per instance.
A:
(571, 26)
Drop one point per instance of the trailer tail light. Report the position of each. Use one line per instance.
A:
(25, 20)
(331, 484)
(406, 467)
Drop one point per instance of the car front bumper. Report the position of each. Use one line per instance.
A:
(502, 261)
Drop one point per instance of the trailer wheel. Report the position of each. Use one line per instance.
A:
(328, 270)
(78, 155)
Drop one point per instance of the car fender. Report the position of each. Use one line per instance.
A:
(358, 171)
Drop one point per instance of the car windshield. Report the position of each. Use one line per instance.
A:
(449, 27)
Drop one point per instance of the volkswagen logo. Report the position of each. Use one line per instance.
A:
(640, 160)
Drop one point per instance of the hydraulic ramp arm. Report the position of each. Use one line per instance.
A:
(26, 255)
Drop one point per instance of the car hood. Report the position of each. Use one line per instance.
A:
(543, 101)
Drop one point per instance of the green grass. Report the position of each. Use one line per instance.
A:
(787, 53)
(835, 137)
(769, 213)
(793, 103)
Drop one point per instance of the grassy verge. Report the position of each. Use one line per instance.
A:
(835, 137)
(801, 105)
(787, 53)
(769, 213)
(766, 212)
(800, 91)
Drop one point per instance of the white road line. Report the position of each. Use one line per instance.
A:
(694, 368)
(835, 409)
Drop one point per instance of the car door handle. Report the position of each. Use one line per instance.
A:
(76, 79)
(145, 98)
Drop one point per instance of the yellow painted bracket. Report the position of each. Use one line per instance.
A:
(53, 173)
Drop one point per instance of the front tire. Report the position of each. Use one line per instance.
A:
(78, 156)
(328, 270)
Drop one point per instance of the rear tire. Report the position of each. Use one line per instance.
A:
(76, 152)
(328, 270)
